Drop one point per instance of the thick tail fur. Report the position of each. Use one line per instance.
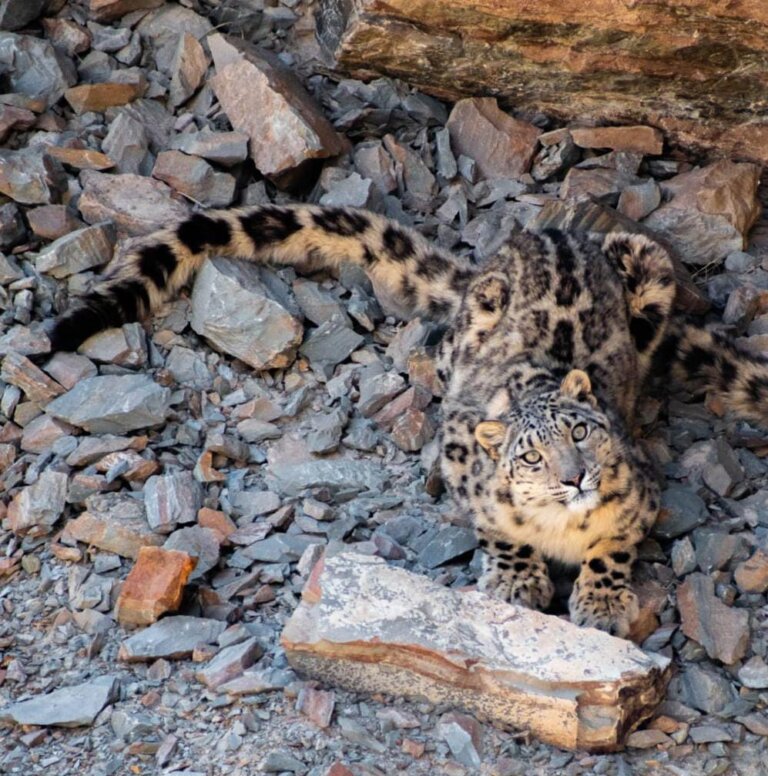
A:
(702, 359)
(426, 280)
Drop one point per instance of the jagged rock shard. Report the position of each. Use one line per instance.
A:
(366, 626)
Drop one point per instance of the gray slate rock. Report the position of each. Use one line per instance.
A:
(113, 404)
(34, 68)
(171, 637)
(230, 663)
(331, 343)
(337, 474)
(682, 509)
(451, 542)
(235, 310)
(200, 543)
(75, 706)
(15, 14)
(78, 251)
(171, 499)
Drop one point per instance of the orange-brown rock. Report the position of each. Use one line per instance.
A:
(502, 146)
(81, 158)
(218, 522)
(99, 97)
(644, 140)
(124, 537)
(370, 627)
(52, 221)
(154, 585)
(697, 71)
(104, 10)
(752, 575)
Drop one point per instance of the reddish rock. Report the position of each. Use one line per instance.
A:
(412, 430)
(67, 36)
(644, 140)
(415, 398)
(106, 10)
(752, 575)
(81, 158)
(267, 102)
(52, 221)
(369, 627)
(709, 211)
(124, 537)
(40, 433)
(189, 67)
(316, 704)
(154, 585)
(723, 631)
(14, 119)
(21, 372)
(217, 521)
(99, 97)
(502, 146)
(413, 748)
(136, 204)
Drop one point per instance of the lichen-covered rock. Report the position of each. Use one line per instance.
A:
(369, 627)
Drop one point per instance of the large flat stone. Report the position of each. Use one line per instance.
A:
(368, 627)
(171, 637)
(113, 404)
(74, 706)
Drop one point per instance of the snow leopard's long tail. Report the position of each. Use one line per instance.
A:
(423, 279)
(702, 359)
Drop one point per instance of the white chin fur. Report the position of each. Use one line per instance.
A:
(584, 501)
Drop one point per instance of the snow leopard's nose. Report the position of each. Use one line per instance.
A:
(575, 479)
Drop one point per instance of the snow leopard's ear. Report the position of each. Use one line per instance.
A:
(490, 435)
(577, 385)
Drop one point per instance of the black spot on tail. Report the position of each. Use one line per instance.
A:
(433, 266)
(201, 230)
(696, 359)
(397, 243)
(97, 314)
(269, 225)
(345, 223)
(157, 262)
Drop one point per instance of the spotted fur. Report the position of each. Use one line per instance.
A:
(547, 348)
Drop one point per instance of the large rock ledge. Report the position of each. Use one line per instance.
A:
(697, 70)
(365, 626)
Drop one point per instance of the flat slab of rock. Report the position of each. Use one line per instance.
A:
(369, 627)
(113, 404)
(74, 706)
(124, 536)
(137, 205)
(172, 637)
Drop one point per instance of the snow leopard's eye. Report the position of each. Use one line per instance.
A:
(579, 432)
(531, 457)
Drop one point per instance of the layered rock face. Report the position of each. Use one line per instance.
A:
(697, 69)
